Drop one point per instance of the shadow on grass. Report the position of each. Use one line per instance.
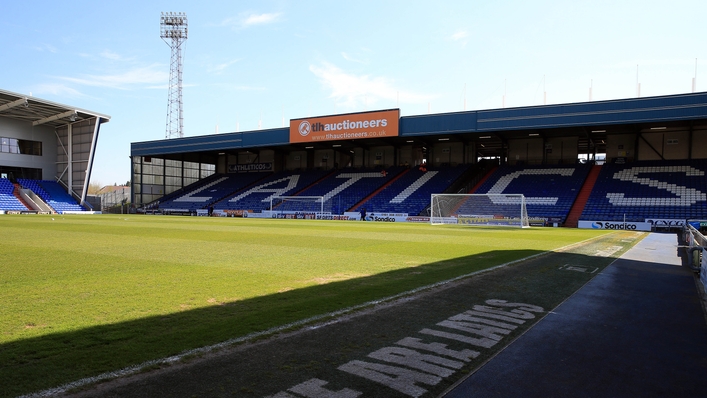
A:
(52, 360)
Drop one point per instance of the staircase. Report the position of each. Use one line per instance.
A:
(582, 197)
(16, 193)
(486, 177)
(377, 191)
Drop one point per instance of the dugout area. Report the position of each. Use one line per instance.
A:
(653, 129)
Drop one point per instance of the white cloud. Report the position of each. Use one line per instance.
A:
(149, 75)
(112, 56)
(59, 90)
(460, 36)
(352, 59)
(47, 47)
(352, 91)
(219, 68)
(245, 20)
(260, 19)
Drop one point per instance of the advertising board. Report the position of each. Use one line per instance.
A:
(349, 126)
(665, 223)
(615, 225)
(250, 167)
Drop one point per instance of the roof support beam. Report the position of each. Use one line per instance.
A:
(17, 102)
(89, 168)
(69, 114)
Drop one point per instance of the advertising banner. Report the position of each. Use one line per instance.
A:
(380, 217)
(665, 223)
(350, 126)
(615, 225)
(232, 213)
(487, 220)
(250, 167)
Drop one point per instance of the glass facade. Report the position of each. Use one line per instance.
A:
(152, 178)
(22, 147)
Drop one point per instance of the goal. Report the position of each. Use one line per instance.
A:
(313, 205)
(479, 209)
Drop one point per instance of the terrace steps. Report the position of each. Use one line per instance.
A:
(582, 197)
(16, 193)
(483, 179)
(377, 191)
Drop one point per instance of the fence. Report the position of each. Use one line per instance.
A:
(696, 248)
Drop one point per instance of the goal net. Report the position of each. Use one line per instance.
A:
(479, 209)
(297, 205)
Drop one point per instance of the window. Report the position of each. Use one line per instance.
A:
(22, 147)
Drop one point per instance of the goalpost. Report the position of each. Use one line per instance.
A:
(479, 209)
(297, 205)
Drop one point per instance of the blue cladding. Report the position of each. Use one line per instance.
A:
(216, 142)
(679, 107)
(637, 110)
(438, 124)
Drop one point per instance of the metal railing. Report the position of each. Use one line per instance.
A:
(696, 245)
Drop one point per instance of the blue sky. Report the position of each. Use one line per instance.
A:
(256, 63)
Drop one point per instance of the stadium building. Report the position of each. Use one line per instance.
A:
(655, 152)
(46, 154)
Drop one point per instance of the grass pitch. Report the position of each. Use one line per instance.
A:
(83, 295)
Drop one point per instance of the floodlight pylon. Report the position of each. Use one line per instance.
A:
(173, 30)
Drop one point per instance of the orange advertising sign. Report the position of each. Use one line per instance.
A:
(350, 126)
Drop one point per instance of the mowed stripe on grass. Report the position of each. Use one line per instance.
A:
(83, 295)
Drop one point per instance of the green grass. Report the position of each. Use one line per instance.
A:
(83, 295)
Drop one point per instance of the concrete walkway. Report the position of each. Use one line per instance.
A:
(637, 329)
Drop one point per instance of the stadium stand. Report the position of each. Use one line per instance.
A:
(649, 189)
(206, 192)
(8, 201)
(549, 191)
(411, 192)
(342, 190)
(53, 194)
(257, 198)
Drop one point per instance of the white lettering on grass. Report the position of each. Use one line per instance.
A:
(465, 355)
(522, 306)
(413, 359)
(485, 343)
(397, 378)
(491, 322)
(490, 332)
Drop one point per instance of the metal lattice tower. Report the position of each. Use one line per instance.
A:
(173, 30)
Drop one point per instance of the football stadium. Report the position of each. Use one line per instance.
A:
(360, 254)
